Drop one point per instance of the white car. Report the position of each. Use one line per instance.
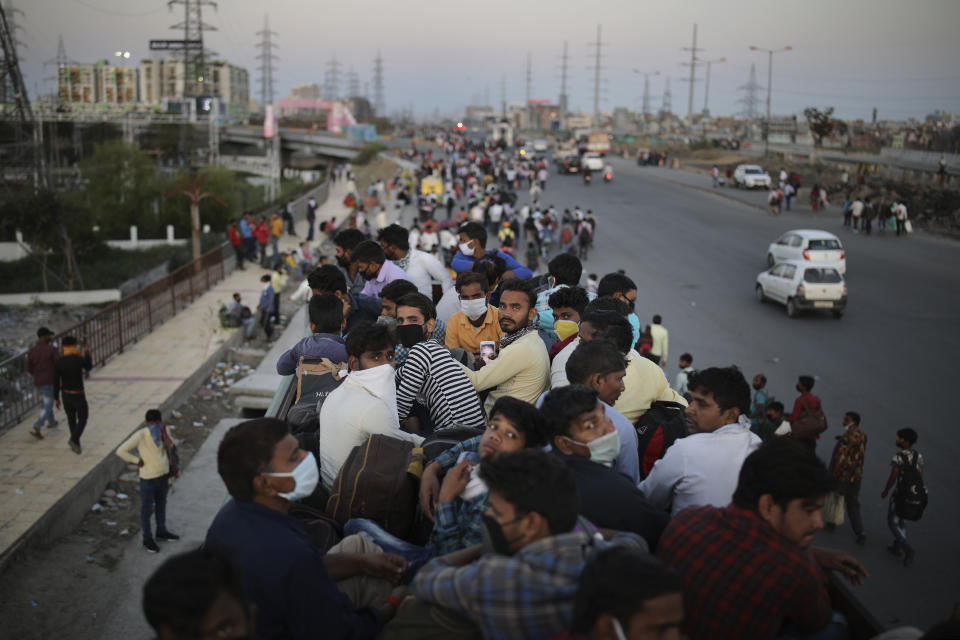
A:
(751, 176)
(540, 145)
(808, 244)
(592, 161)
(802, 285)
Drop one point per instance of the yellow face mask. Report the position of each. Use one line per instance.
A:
(565, 328)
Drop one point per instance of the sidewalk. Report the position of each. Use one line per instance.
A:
(44, 487)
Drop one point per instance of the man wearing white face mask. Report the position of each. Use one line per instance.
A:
(473, 242)
(477, 320)
(298, 591)
(365, 404)
(588, 443)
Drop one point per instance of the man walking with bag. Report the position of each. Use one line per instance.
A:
(909, 497)
(807, 420)
(153, 447)
(846, 467)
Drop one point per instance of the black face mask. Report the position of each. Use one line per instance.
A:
(493, 537)
(409, 334)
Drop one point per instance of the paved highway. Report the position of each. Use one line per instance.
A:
(695, 256)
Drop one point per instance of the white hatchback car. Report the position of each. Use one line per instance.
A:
(751, 176)
(802, 285)
(808, 244)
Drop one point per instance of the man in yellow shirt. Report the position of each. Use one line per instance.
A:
(660, 339)
(477, 320)
(522, 368)
(276, 230)
(154, 476)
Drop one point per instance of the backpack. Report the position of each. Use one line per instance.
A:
(566, 235)
(446, 438)
(658, 428)
(322, 530)
(373, 483)
(809, 424)
(910, 498)
(316, 378)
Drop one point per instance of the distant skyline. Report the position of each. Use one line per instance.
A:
(853, 55)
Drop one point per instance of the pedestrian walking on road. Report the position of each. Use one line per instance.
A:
(40, 364)
(288, 218)
(807, 403)
(906, 480)
(788, 193)
(311, 217)
(237, 241)
(661, 339)
(846, 467)
(247, 225)
(153, 445)
(263, 236)
(758, 406)
(265, 306)
(68, 374)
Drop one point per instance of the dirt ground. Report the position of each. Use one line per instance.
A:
(18, 325)
(66, 590)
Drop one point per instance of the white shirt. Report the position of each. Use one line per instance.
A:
(701, 469)
(558, 368)
(496, 213)
(856, 209)
(424, 269)
(348, 416)
(449, 304)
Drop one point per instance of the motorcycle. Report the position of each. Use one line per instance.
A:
(608, 176)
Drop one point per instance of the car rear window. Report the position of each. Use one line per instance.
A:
(822, 275)
(753, 170)
(831, 244)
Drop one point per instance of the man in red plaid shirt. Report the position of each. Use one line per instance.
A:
(748, 569)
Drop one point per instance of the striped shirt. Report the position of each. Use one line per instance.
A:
(429, 372)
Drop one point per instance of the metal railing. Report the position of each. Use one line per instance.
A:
(112, 329)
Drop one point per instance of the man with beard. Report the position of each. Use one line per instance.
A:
(522, 368)
(369, 260)
(345, 241)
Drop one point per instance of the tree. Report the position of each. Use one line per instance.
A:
(192, 188)
(55, 230)
(821, 124)
(121, 188)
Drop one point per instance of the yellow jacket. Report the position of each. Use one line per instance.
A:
(643, 384)
(276, 226)
(155, 462)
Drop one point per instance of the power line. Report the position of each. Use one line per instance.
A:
(266, 59)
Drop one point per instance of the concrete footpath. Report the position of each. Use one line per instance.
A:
(44, 487)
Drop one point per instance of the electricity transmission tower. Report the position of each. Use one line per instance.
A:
(379, 103)
(331, 79)
(193, 26)
(266, 58)
(353, 83)
(563, 86)
(751, 96)
(7, 91)
(21, 156)
(667, 107)
(596, 76)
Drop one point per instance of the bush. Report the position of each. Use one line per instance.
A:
(368, 153)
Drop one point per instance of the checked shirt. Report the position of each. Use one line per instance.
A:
(741, 578)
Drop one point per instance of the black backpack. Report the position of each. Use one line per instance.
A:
(322, 530)
(910, 499)
(316, 378)
(662, 425)
(442, 439)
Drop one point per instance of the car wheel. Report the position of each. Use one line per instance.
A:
(760, 296)
(838, 313)
(792, 310)
(770, 260)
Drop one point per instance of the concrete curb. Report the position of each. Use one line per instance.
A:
(63, 516)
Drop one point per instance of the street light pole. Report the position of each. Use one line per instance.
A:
(706, 91)
(770, 52)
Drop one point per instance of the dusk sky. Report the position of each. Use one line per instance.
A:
(901, 57)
